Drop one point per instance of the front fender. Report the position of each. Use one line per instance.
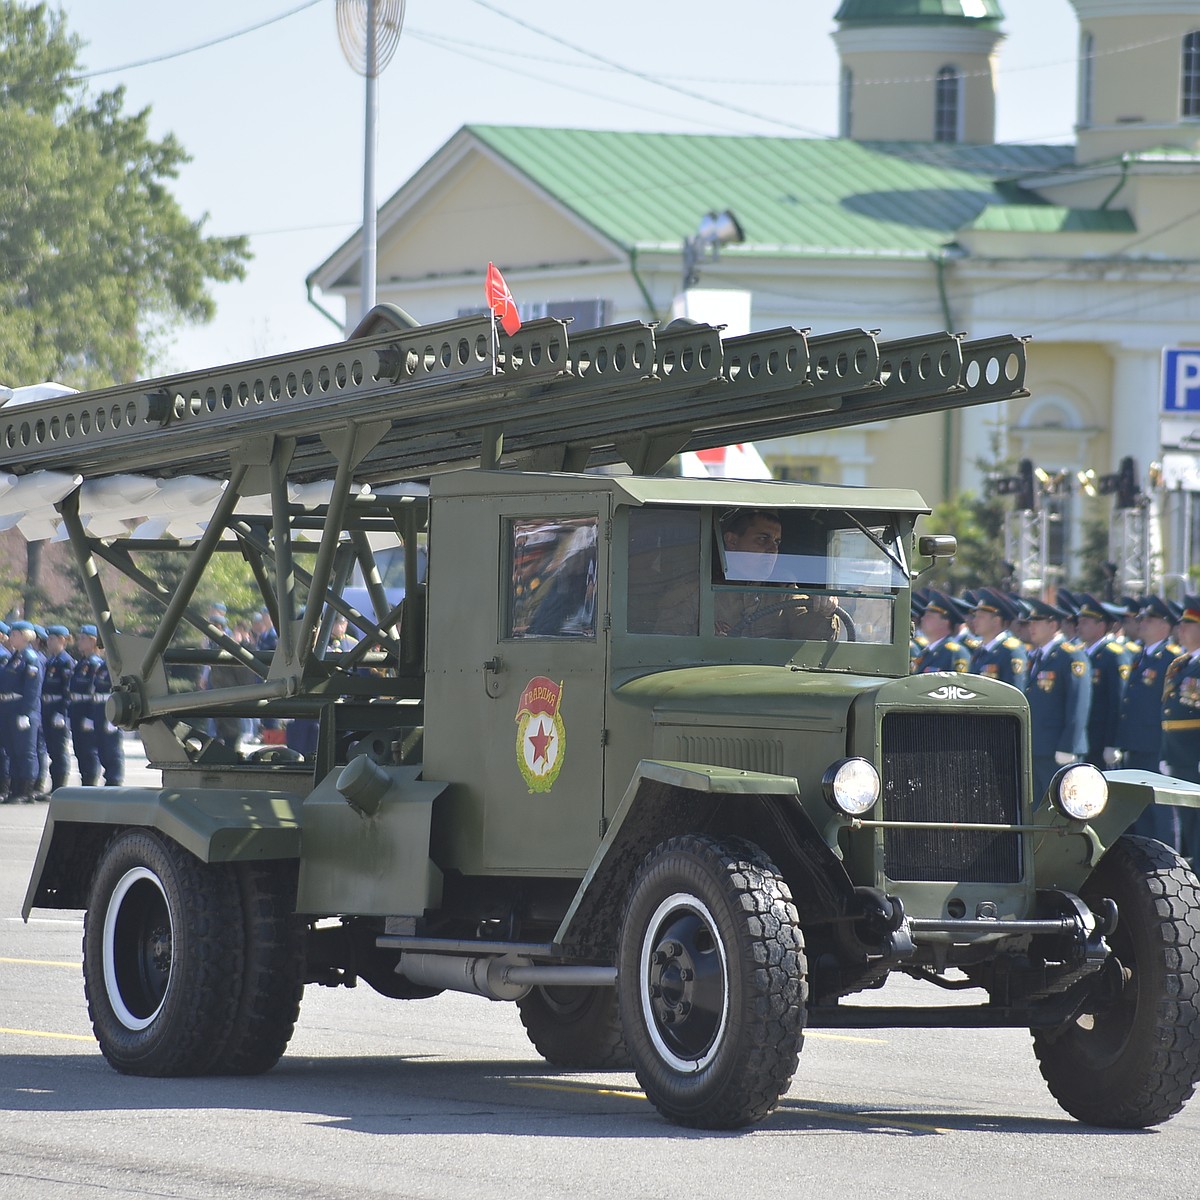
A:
(1068, 852)
(667, 798)
(216, 825)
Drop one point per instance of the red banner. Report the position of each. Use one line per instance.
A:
(500, 300)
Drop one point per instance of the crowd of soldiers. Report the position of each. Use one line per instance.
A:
(52, 702)
(1115, 685)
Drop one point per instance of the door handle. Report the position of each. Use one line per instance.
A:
(492, 684)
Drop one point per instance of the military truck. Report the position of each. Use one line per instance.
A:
(559, 772)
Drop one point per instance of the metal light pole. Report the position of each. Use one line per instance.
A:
(369, 32)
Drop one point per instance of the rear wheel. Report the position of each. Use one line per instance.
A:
(162, 956)
(273, 974)
(711, 982)
(1133, 1059)
(577, 1028)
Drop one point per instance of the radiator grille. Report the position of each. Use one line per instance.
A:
(948, 767)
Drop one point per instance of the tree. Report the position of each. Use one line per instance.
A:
(978, 524)
(99, 259)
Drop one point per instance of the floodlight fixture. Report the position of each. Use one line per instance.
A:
(716, 229)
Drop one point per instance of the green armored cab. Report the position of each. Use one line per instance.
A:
(638, 753)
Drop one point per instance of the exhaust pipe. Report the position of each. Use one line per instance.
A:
(505, 978)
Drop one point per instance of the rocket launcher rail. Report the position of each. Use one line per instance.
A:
(451, 395)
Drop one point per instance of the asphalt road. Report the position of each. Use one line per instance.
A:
(446, 1098)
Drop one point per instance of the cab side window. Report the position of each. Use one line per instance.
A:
(554, 562)
(664, 571)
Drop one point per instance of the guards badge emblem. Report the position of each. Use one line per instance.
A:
(541, 736)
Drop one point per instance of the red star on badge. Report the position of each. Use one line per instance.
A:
(540, 742)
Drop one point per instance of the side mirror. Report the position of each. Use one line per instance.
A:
(937, 545)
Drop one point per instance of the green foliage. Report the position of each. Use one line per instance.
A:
(98, 257)
(978, 524)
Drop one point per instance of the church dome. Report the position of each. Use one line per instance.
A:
(980, 14)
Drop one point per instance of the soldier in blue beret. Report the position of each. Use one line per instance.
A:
(5, 655)
(21, 711)
(1181, 721)
(1140, 732)
(81, 704)
(56, 688)
(1059, 690)
(1111, 664)
(1000, 655)
(940, 622)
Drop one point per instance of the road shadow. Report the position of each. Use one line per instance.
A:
(415, 1094)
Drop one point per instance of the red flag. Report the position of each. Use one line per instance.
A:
(500, 300)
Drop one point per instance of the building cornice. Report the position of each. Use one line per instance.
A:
(900, 39)
(1089, 10)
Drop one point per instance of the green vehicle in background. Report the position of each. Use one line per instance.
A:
(671, 792)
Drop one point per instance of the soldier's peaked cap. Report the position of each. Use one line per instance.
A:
(1191, 609)
(1088, 606)
(1164, 610)
(942, 604)
(989, 599)
(1043, 610)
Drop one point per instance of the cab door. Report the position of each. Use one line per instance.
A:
(529, 718)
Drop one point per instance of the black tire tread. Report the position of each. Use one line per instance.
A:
(1157, 1078)
(590, 1042)
(273, 977)
(771, 1030)
(201, 1011)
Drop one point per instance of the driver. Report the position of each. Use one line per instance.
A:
(754, 536)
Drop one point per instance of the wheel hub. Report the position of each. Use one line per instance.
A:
(685, 983)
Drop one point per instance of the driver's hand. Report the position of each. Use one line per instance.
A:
(822, 606)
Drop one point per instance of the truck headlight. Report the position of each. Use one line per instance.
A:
(1079, 792)
(851, 786)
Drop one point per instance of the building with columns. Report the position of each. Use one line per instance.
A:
(913, 220)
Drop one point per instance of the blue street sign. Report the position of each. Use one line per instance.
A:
(1181, 382)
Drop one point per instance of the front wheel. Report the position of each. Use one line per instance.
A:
(1133, 1058)
(162, 956)
(711, 982)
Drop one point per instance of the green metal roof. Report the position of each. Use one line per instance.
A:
(793, 197)
(985, 13)
(1052, 218)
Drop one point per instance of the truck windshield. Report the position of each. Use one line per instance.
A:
(789, 574)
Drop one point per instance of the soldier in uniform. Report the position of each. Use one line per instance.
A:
(1139, 732)
(21, 711)
(1181, 721)
(56, 689)
(940, 621)
(81, 705)
(917, 641)
(5, 781)
(1111, 664)
(1059, 689)
(1000, 655)
(110, 748)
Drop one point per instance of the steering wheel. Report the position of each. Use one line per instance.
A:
(797, 603)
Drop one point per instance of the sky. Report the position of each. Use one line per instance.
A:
(273, 117)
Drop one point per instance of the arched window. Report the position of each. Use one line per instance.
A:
(1087, 78)
(1190, 91)
(846, 100)
(947, 106)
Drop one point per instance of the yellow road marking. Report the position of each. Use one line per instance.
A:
(40, 962)
(582, 1089)
(44, 1033)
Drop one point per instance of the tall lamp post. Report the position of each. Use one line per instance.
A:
(369, 31)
